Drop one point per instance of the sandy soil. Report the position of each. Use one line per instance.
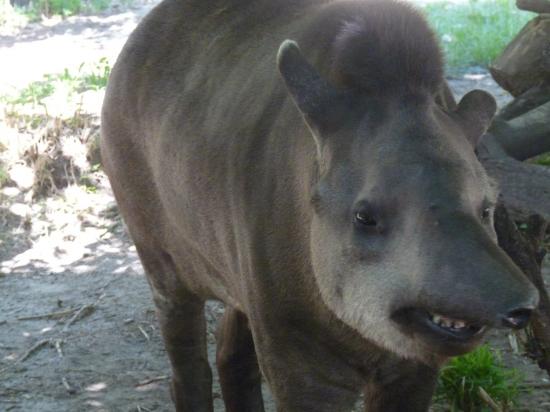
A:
(77, 325)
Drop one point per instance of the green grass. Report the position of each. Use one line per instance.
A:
(475, 32)
(543, 159)
(58, 7)
(88, 77)
(460, 380)
(96, 77)
(34, 92)
(64, 8)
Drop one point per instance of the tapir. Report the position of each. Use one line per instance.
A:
(295, 160)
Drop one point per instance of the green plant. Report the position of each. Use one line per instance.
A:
(543, 159)
(97, 77)
(88, 77)
(57, 7)
(4, 177)
(460, 381)
(475, 32)
(65, 8)
(34, 92)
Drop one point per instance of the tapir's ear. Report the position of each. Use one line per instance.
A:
(475, 112)
(313, 95)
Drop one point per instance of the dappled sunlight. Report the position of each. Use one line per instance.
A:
(11, 357)
(96, 387)
(476, 76)
(77, 325)
(22, 175)
(94, 403)
(71, 40)
(63, 230)
(20, 209)
(46, 330)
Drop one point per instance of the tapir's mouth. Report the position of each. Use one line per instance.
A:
(443, 333)
(456, 328)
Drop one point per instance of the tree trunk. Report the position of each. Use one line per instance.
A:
(524, 188)
(527, 253)
(520, 131)
(524, 195)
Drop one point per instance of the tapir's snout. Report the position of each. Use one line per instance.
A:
(471, 286)
(504, 294)
(518, 318)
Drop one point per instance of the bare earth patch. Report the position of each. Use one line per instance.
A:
(77, 323)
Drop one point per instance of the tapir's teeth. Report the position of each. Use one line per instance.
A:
(459, 324)
(448, 322)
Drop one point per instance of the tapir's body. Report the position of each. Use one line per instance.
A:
(256, 188)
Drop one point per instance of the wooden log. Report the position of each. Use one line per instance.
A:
(525, 249)
(525, 62)
(528, 100)
(536, 6)
(524, 188)
(524, 136)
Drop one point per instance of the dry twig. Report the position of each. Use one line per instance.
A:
(84, 311)
(489, 401)
(144, 333)
(51, 315)
(58, 343)
(152, 380)
(38, 345)
(69, 388)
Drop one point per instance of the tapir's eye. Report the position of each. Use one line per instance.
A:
(365, 219)
(486, 213)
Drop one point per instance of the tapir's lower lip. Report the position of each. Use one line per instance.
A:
(445, 332)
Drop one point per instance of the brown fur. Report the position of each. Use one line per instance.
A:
(387, 47)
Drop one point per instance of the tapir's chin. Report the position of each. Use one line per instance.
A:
(439, 334)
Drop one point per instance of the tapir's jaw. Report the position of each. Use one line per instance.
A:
(441, 334)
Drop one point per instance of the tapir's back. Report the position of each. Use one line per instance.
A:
(195, 126)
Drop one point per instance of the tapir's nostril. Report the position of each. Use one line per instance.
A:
(518, 318)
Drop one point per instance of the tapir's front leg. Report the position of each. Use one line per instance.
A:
(405, 386)
(302, 374)
(240, 377)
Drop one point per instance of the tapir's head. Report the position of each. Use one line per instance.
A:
(402, 239)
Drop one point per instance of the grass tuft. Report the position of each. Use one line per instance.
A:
(4, 177)
(460, 381)
(88, 77)
(96, 77)
(34, 92)
(543, 159)
(37, 9)
(474, 32)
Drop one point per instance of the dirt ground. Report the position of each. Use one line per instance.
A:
(77, 325)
